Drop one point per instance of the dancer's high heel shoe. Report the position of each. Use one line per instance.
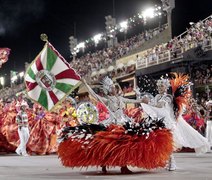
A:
(104, 169)
(125, 170)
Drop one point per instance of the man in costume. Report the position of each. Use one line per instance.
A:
(23, 129)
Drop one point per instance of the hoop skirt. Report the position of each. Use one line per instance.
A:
(183, 134)
(117, 146)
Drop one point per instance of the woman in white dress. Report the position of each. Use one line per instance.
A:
(183, 134)
(209, 123)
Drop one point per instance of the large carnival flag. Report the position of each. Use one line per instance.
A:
(4, 54)
(49, 78)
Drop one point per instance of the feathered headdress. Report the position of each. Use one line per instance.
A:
(107, 84)
(180, 90)
(163, 81)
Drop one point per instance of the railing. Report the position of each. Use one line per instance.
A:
(180, 36)
(154, 59)
(137, 49)
(169, 55)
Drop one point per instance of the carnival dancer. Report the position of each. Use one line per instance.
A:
(170, 107)
(43, 135)
(5, 146)
(23, 130)
(209, 123)
(118, 141)
(9, 127)
(194, 116)
(115, 102)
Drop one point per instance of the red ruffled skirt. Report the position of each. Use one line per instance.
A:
(115, 148)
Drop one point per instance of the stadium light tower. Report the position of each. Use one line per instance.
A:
(148, 13)
(168, 6)
(72, 45)
(111, 30)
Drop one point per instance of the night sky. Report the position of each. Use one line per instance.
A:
(22, 22)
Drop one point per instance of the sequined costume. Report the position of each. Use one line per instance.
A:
(118, 141)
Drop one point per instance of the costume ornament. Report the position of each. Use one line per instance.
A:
(87, 113)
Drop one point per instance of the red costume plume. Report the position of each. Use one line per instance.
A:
(180, 90)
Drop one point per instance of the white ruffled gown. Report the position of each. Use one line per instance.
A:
(183, 134)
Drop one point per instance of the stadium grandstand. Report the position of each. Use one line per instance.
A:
(150, 53)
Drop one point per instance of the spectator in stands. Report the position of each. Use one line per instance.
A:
(102, 58)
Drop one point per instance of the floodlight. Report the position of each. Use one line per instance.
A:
(97, 38)
(148, 13)
(123, 26)
(81, 45)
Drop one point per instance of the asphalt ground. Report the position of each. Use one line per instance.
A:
(13, 167)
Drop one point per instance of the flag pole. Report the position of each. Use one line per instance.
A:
(98, 98)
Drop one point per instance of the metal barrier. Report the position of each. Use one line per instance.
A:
(169, 55)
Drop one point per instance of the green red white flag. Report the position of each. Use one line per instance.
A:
(49, 78)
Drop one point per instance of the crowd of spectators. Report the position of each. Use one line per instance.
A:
(199, 34)
(202, 74)
(105, 57)
(9, 92)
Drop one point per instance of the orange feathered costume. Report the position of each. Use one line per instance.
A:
(116, 146)
(180, 90)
